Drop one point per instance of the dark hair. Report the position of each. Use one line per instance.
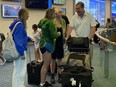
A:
(34, 26)
(80, 3)
(108, 20)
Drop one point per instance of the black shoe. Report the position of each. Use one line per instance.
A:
(52, 81)
(46, 85)
(59, 80)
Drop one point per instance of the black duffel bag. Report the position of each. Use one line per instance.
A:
(75, 43)
(79, 74)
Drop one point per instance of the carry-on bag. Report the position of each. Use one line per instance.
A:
(33, 71)
(76, 59)
(74, 76)
(76, 43)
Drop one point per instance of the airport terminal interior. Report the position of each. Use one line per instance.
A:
(100, 78)
(103, 59)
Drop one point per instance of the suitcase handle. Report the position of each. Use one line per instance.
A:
(76, 56)
(34, 63)
(29, 44)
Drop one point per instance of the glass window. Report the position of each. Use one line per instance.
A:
(114, 12)
(96, 8)
(113, 9)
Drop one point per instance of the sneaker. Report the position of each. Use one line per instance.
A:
(39, 61)
(46, 85)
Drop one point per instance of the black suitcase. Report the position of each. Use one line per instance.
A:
(78, 44)
(33, 71)
(80, 75)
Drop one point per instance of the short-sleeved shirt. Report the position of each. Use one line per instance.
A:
(36, 36)
(82, 25)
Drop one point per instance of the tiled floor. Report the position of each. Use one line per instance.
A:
(98, 74)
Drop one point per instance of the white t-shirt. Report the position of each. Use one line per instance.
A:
(36, 36)
(82, 25)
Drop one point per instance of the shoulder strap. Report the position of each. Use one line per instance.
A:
(14, 27)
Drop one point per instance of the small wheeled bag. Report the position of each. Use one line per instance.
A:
(33, 71)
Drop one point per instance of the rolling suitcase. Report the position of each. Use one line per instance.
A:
(33, 71)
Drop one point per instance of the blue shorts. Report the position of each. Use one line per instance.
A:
(48, 47)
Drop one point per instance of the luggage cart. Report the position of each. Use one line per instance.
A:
(81, 52)
(74, 75)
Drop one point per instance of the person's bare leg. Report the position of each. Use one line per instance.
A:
(52, 66)
(52, 69)
(37, 55)
(58, 63)
(47, 59)
(59, 70)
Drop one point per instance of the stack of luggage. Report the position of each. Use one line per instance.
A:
(77, 74)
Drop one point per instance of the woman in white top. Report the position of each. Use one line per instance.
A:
(36, 35)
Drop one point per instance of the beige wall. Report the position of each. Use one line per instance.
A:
(108, 10)
(34, 17)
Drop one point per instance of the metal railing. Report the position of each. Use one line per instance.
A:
(107, 41)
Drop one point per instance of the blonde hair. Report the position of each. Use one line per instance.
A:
(22, 15)
(49, 13)
(57, 10)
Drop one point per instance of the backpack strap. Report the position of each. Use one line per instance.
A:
(15, 27)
